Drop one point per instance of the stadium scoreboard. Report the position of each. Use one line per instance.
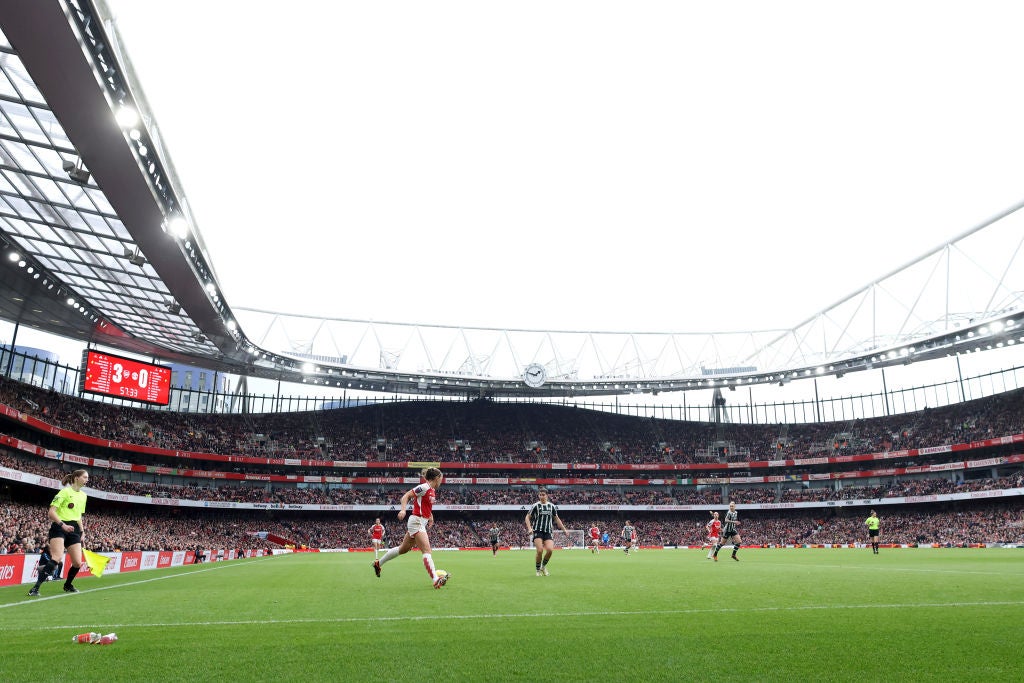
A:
(108, 375)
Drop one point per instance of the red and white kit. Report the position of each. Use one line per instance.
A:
(422, 509)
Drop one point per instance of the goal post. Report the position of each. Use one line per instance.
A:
(572, 538)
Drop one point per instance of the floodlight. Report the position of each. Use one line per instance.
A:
(127, 117)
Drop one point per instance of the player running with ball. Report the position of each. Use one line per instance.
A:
(420, 520)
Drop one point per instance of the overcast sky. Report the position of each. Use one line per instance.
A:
(665, 166)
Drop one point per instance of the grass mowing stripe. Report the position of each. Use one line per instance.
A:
(533, 615)
(890, 569)
(43, 598)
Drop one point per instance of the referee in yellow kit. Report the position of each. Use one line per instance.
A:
(66, 531)
(872, 524)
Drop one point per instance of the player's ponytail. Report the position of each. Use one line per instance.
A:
(70, 478)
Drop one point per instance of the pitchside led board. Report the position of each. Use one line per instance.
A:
(125, 378)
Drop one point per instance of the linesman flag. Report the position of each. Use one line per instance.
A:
(97, 563)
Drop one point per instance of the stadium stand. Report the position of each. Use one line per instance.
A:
(920, 461)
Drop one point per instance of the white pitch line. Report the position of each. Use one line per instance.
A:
(39, 599)
(534, 615)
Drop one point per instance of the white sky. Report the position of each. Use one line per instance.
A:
(664, 166)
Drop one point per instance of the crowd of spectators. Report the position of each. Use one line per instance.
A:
(501, 495)
(486, 431)
(904, 488)
(23, 527)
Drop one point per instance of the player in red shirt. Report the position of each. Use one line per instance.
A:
(595, 539)
(714, 527)
(377, 537)
(422, 517)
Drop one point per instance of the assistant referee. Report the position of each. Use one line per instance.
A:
(65, 515)
(872, 523)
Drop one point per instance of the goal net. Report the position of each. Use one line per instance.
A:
(573, 538)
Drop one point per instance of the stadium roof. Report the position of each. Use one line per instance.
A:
(102, 248)
(99, 245)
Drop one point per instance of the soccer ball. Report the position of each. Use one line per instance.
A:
(442, 578)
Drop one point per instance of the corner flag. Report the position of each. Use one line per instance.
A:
(97, 563)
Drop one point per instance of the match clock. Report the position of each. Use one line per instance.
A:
(535, 375)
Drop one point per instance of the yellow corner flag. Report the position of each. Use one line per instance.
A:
(97, 563)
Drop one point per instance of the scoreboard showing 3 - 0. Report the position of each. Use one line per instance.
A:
(125, 378)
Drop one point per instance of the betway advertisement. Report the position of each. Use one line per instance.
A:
(12, 569)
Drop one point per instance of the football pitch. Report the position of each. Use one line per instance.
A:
(655, 615)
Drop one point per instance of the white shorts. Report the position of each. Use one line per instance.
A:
(416, 524)
(713, 539)
(377, 541)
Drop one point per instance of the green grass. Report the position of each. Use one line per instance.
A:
(794, 614)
